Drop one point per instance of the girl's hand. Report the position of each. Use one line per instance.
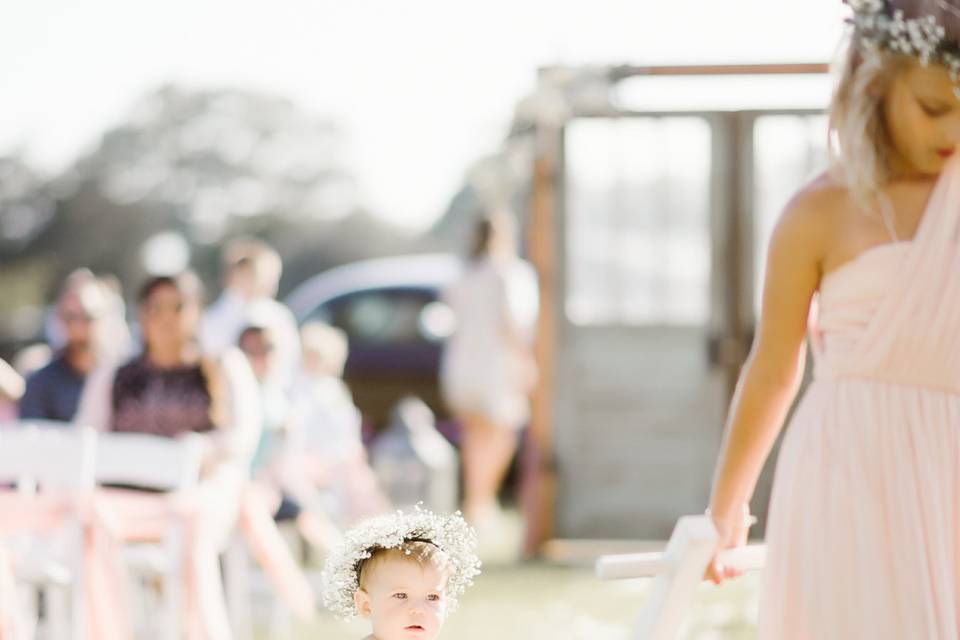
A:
(732, 528)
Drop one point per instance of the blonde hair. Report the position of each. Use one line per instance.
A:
(416, 552)
(328, 344)
(266, 263)
(860, 145)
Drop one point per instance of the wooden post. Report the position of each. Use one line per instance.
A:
(538, 492)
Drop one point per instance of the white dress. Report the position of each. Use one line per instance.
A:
(483, 371)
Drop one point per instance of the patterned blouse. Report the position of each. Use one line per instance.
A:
(164, 402)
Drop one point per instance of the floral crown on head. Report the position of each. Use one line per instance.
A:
(450, 534)
(880, 28)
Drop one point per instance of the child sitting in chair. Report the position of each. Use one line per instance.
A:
(328, 455)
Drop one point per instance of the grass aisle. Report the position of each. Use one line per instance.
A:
(545, 602)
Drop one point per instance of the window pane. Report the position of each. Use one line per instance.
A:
(381, 317)
(637, 220)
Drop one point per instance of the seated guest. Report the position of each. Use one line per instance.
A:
(170, 388)
(53, 392)
(252, 272)
(271, 466)
(325, 430)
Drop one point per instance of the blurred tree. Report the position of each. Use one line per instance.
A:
(204, 165)
(216, 156)
(26, 204)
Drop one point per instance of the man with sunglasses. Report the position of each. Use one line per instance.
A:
(53, 392)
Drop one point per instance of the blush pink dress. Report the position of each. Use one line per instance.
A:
(864, 530)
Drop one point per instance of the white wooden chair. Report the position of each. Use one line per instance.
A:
(37, 456)
(158, 464)
(242, 581)
(679, 571)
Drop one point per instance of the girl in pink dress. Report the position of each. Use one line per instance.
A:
(864, 528)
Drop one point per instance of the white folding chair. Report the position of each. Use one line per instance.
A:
(40, 456)
(241, 584)
(158, 464)
(37, 423)
(679, 571)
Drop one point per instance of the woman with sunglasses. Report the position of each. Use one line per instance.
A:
(168, 390)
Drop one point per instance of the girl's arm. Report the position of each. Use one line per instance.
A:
(773, 371)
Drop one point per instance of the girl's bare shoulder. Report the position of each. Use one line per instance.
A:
(819, 203)
(813, 215)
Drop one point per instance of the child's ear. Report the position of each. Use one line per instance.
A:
(362, 599)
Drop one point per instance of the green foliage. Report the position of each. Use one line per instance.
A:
(207, 165)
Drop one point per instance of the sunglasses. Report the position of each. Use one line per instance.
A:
(156, 308)
(76, 318)
(259, 352)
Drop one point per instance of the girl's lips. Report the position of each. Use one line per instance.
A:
(945, 153)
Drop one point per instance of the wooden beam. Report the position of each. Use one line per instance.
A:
(799, 68)
(538, 492)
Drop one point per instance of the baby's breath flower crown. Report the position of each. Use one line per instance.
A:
(451, 534)
(878, 27)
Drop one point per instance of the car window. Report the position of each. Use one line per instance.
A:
(385, 316)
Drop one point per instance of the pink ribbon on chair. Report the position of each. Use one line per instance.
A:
(12, 626)
(102, 585)
(139, 516)
(111, 517)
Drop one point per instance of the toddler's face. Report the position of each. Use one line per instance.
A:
(405, 600)
(922, 117)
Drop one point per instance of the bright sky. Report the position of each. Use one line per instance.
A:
(421, 87)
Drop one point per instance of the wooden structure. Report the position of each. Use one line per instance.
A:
(648, 228)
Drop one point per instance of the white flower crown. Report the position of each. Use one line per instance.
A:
(879, 29)
(451, 534)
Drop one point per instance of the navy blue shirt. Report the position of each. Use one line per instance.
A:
(53, 392)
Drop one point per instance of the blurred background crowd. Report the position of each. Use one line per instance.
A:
(501, 258)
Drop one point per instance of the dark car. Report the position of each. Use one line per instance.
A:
(396, 323)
